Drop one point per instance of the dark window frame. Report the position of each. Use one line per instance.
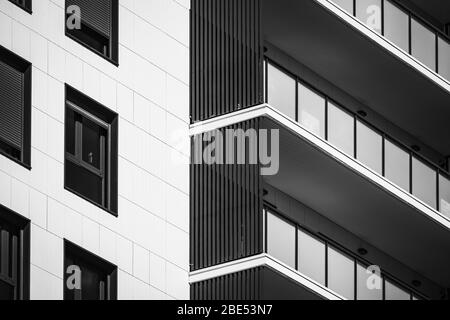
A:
(109, 270)
(13, 222)
(113, 41)
(26, 5)
(23, 66)
(87, 108)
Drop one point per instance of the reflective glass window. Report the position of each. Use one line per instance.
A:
(424, 182)
(341, 132)
(397, 165)
(423, 44)
(311, 111)
(396, 25)
(369, 147)
(394, 292)
(444, 195)
(369, 284)
(369, 12)
(281, 239)
(281, 91)
(341, 273)
(311, 257)
(444, 58)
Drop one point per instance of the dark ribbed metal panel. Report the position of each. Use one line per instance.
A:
(244, 285)
(226, 206)
(97, 14)
(11, 105)
(226, 57)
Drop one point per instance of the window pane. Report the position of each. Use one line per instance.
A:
(423, 44)
(281, 240)
(341, 130)
(311, 111)
(393, 292)
(91, 142)
(341, 273)
(424, 182)
(444, 58)
(367, 284)
(347, 5)
(70, 131)
(396, 25)
(369, 12)
(311, 257)
(281, 91)
(369, 147)
(397, 165)
(444, 197)
(84, 182)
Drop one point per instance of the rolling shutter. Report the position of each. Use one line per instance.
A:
(97, 14)
(11, 105)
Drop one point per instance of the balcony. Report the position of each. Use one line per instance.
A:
(406, 30)
(354, 136)
(328, 264)
(367, 65)
(353, 194)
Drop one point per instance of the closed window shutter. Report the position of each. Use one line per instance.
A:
(97, 14)
(11, 105)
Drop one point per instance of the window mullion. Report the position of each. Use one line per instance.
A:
(78, 140)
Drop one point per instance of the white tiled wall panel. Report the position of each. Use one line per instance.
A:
(150, 92)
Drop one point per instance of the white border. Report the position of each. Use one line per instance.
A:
(265, 110)
(263, 260)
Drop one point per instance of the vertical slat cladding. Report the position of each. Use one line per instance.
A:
(242, 285)
(5, 255)
(225, 59)
(226, 207)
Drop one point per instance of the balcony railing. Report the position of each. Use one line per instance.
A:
(329, 264)
(353, 135)
(406, 30)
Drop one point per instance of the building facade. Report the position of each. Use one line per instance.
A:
(357, 93)
(94, 149)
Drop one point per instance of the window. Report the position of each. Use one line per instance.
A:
(281, 91)
(347, 5)
(24, 4)
(393, 292)
(98, 26)
(86, 276)
(14, 256)
(396, 25)
(311, 110)
(369, 147)
(91, 150)
(369, 12)
(444, 196)
(423, 44)
(15, 107)
(341, 273)
(424, 182)
(397, 165)
(341, 129)
(281, 240)
(369, 285)
(311, 257)
(444, 58)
